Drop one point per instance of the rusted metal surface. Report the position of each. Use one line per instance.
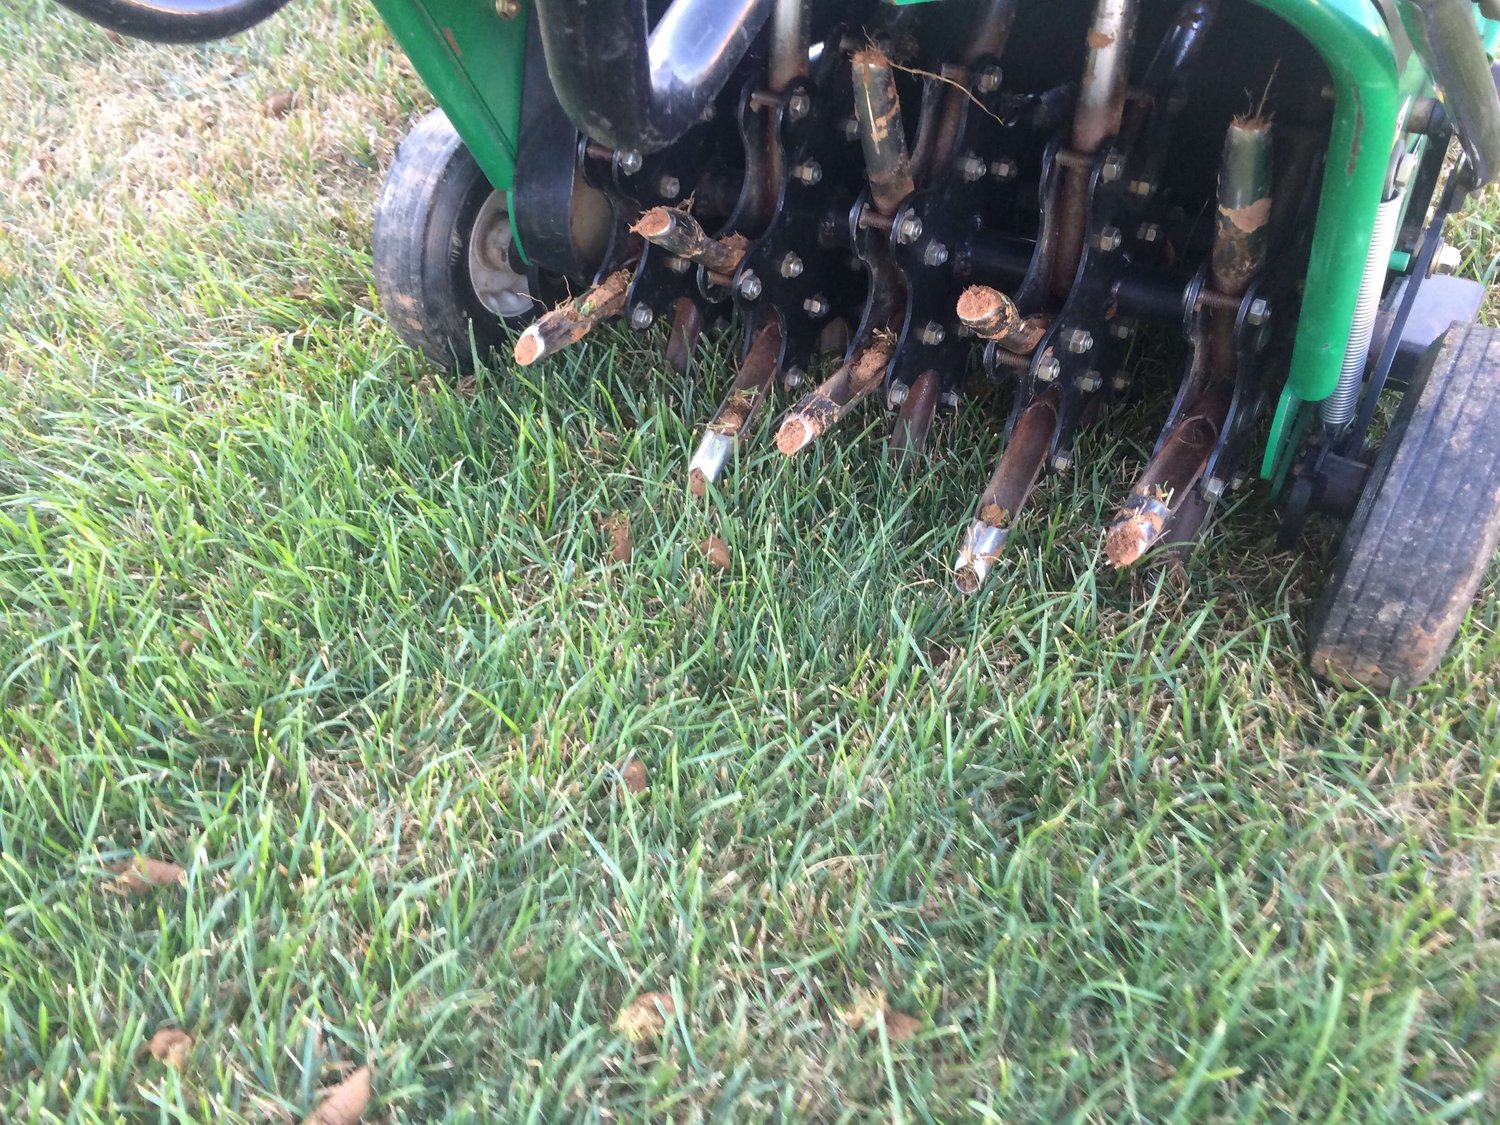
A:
(1164, 486)
(1244, 207)
(789, 43)
(877, 108)
(687, 326)
(1096, 118)
(991, 315)
(833, 338)
(817, 412)
(677, 232)
(1014, 478)
(1241, 227)
(914, 422)
(573, 320)
(756, 376)
(987, 38)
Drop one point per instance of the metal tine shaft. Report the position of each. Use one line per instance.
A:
(573, 320)
(1015, 476)
(756, 376)
(818, 411)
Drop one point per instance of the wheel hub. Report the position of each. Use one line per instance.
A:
(498, 286)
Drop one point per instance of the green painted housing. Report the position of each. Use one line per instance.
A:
(471, 58)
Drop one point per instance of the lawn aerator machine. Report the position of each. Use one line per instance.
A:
(901, 200)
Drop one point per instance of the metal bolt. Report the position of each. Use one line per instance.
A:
(910, 229)
(641, 316)
(1119, 381)
(1447, 260)
(935, 254)
(507, 9)
(630, 161)
(678, 265)
(971, 168)
(1077, 340)
(1062, 461)
(815, 305)
(798, 106)
(851, 129)
(897, 394)
(1112, 168)
(1003, 169)
(989, 80)
(749, 286)
(1148, 232)
(791, 265)
(710, 111)
(1122, 328)
(1090, 381)
(1110, 239)
(1259, 312)
(1048, 368)
(808, 173)
(933, 333)
(1142, 188)
(1237, 481)
(792, 376)
(1213, 488)
(669, 187)
(949, 399)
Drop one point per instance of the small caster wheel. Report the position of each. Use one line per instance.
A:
(1426, 527)
(442, 251)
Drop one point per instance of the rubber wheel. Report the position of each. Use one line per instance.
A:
(427, 255)
(1426, 528)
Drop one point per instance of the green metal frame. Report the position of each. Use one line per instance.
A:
(1370, 99)
(471, 58)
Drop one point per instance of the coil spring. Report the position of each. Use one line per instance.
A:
(1338, 408)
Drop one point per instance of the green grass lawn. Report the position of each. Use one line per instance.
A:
(345, 643)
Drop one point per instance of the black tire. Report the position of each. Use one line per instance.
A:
(424, 225)
(1426, 528)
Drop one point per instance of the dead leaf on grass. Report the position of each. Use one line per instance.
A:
(645, 1016)
(899, 1026)
(870, 1003)
(617, 527)
(141, 873)
(171, 1046)
(716, 551)
(30, 177)
(633, 776)
(280, 103)
(345, 1103)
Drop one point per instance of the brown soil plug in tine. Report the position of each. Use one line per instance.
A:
(573, 320)
(818, 411)
(1015, 476)
(678, 233)
(991, 315)
(1165, 484)
(687, 326)
(914, 422)
(877, 108)
(731, 422)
